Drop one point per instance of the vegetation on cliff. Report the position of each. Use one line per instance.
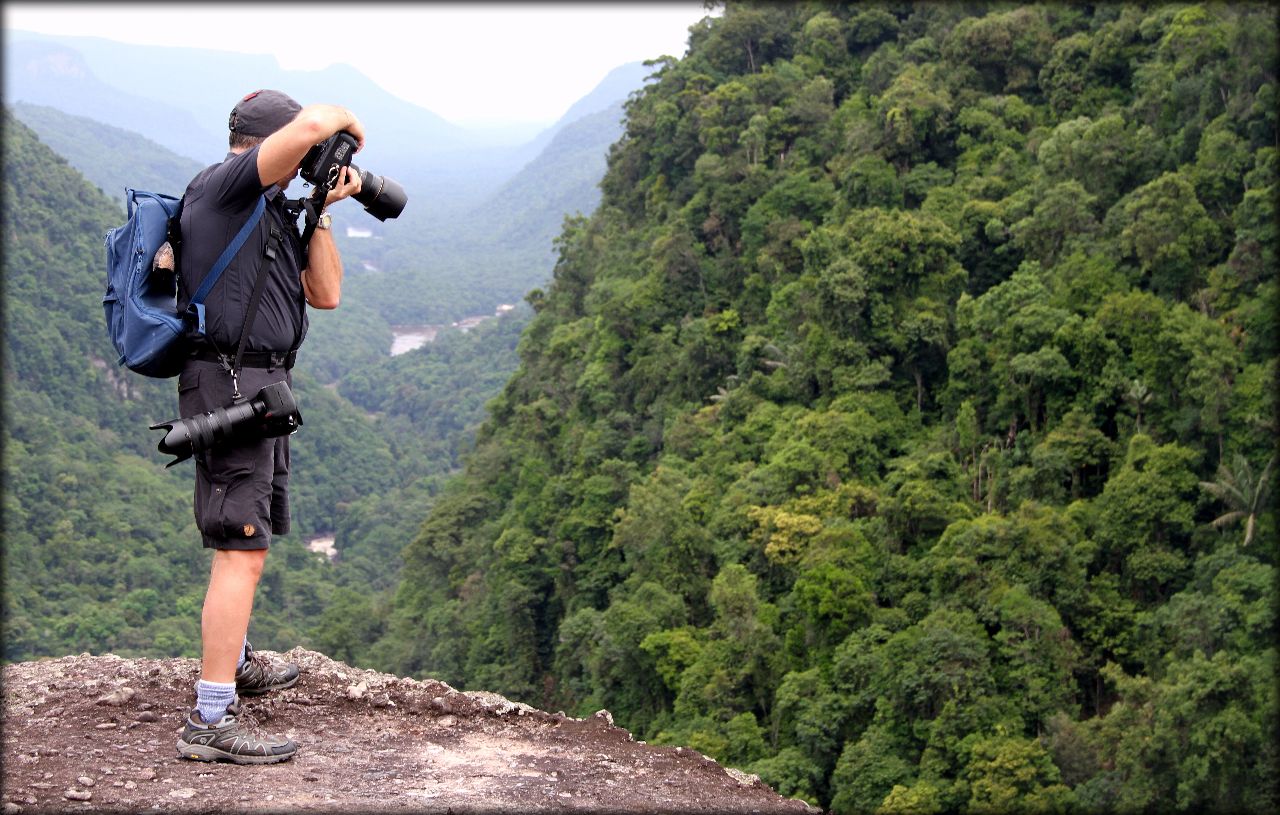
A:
(900, 426)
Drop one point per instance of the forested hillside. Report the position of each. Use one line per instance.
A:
(901, 426)
(100, 548)
(113, 159)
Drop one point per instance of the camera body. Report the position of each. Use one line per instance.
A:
(273, 411)
(323, 161)
(382, 197)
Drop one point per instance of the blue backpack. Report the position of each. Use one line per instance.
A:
(141, 302)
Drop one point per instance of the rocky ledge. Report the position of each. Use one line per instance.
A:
(97, 733)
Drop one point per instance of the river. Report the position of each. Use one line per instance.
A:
(408, 337)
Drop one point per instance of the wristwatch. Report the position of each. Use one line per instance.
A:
(325, 221)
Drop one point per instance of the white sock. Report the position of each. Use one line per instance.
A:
(212, 699)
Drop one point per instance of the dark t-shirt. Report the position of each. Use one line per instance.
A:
(218, 202)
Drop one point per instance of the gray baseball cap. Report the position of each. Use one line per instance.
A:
(262, 113)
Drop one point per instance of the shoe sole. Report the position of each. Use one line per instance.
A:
(268, 688)
(202, 752)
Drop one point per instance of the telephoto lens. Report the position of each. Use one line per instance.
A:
(382, 197)
(271, 412)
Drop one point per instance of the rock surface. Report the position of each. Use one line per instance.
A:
(97, 733)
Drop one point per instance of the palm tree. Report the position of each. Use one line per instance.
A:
(1244, 495)
(1139, 395)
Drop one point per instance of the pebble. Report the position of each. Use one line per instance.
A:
(188, 792)
(77, 795)
(85, 781)
(147, 774)
(357, 691)
(447, 721)
(131, 785)
(106, 726)
(10, 808)
(148, 716)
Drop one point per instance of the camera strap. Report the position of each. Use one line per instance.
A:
(313, 206)
(251, 311)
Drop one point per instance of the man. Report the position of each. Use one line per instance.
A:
(241, 492)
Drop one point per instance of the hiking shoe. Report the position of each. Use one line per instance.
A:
(259, 674)
(234, 738)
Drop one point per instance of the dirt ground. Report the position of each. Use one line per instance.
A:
(97, 734)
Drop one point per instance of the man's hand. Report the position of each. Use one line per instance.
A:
(348, 185)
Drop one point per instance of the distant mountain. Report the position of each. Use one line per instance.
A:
(185, 99)
(614, 89)
(498, 250)
(47, 72)
(188, 92)
(563, 180)
(111, 157)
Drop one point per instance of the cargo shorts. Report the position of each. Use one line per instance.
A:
(242, 491)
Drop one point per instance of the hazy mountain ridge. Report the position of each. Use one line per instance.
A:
(47, 72)
(564, 180)
(204, 84)
(111, 157)
(614, 89)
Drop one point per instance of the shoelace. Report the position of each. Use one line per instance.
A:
(263, 663)
(250, 725)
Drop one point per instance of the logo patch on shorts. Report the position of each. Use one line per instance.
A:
(249, 530)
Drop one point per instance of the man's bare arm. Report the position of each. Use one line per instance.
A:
(282, 151)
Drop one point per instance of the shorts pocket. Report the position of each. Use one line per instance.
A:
(232, 512)
(212, 511)
(235, 505)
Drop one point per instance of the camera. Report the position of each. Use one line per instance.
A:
(272, 412)
(382, 197)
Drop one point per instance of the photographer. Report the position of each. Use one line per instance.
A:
(241, 489)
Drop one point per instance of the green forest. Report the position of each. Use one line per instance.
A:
(901, 426)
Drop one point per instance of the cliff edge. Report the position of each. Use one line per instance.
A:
(97, 733)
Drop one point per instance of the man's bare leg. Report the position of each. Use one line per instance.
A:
(233, 579)
(223, 735)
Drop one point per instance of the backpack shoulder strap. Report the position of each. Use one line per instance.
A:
(224, 260)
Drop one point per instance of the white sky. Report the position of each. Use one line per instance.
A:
(474, 64)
